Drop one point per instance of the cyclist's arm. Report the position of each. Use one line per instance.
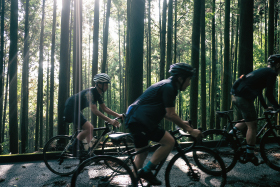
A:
(95, 111)
(172, 116)
(109, 111)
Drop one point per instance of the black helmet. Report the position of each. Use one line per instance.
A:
(273, 60)
(102, 78)
(181, 69)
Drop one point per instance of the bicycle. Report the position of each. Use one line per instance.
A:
(231, 148)
(57, 152)
(181, 170)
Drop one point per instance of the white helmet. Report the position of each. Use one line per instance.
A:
(102, 78)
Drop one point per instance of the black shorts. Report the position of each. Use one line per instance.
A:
(73, 116)
(245, 107)
(142, 135)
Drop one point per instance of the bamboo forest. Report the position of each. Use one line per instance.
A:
(51, 49)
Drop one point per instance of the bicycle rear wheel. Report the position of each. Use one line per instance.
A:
(222, 144)
(270, 149)
(57, 156)
(95, 172)
(182, 170)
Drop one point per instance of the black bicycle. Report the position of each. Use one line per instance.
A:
(58, 155)
(231, 147)
(182, 169)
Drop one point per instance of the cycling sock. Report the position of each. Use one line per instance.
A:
(149, 167)
(250, 149)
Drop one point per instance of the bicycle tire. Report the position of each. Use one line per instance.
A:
(270, 149)
(95, 172)
(223, 145)
(57, 156)
(178, 172)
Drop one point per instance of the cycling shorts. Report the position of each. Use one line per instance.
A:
(75, 117)
(245, 107)
(142, 135)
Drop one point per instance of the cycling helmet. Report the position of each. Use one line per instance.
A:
(181, 70)
(273, 60)
(101, 78)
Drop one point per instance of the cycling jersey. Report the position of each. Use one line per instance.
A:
(252, 85)
(73, 108)
(86, 96)
(149, 108)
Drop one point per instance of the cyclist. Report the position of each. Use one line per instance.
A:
(88, 98)
(144, 115)
(245, 90)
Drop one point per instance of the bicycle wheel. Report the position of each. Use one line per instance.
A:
(182, 170)
(57, 156)
(222, 144)
(117, 146)
(95, 172)
(270, 149)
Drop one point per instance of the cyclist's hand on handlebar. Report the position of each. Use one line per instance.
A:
(114, 122)
(196, 133)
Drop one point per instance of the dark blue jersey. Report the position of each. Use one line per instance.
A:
(149, 108)
(85, 97)
(252, 85)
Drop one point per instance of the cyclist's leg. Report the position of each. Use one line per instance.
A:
(167, 143)
(251, 132)
(140, 158)
(87, 132)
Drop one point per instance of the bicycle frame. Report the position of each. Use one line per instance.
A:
(268, 124)
(152, 147)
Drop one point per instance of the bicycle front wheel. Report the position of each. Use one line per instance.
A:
(270, 149)
(182, 170)
(58, 157)
(95, 172)
(223, 145)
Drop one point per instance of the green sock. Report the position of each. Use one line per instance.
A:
(149, 167)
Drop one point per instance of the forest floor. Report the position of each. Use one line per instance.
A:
(35, 173)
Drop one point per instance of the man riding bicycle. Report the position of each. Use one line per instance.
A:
(245, 90)
(88, 98)
(144, 115)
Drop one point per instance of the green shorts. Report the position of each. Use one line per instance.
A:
(245, 107)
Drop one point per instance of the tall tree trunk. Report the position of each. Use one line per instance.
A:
(2, 125)
(47, 99)
(136, 36)
(195, 61)
(13, 110)
(120, 63)
(62, 92)
(203, 68)
(226, 83)
(52, 72)
(24, 88)
(175, 34)
(95, 51)
(245, 64)
(162, 41)
(270, 27)
(169, 37)
(213, 71)
(105, 37)
(265, 31)
(39, 110)
(149, 50)
(77, 47)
